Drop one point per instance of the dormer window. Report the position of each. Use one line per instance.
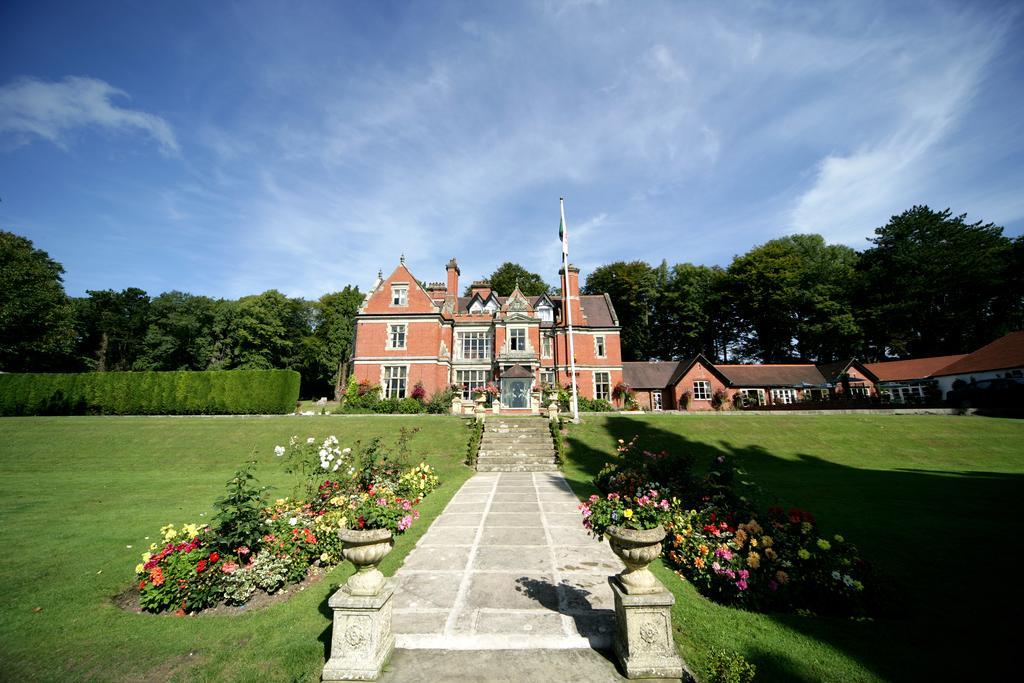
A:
(545, 313)
(400, 295)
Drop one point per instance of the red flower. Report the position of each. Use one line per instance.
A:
(201, 566)
(142, 584)
(214, 557)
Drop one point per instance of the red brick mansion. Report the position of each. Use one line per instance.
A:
(407, 334)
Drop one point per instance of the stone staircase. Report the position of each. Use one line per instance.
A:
(516, 445)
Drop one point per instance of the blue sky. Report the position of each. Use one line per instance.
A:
(226, 149)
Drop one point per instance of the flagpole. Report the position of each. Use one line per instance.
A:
(567, 293)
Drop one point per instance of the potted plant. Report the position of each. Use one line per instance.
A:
(635, 529)
(373, 521)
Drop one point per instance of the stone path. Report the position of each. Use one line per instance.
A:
(507, 565)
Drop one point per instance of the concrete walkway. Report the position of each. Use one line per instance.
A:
(507, 565)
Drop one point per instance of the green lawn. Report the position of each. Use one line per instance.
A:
(79, 490)
(931, 501)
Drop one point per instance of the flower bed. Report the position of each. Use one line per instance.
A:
(732, 552)
(255, 546)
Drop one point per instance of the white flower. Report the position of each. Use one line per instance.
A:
(847, 580)
(332, 438)
(279, 451)
(293, 521)
(323, 452)
(336, 466)
(310, 440)
(128, 546)
(346, 451)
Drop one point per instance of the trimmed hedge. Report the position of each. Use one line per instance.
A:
(214, 392)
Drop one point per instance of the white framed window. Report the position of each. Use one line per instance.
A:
(599, 346)
(546, 345)
(547, 377)
(656, 400)
(754, 397)
(545, 313)
(399, 295)
(474, 345)
(784, 396)
(395, 377)
(602, 386)
(862, 392)
(701, 390)
(472, 381)
(517, 339)
(396, 336)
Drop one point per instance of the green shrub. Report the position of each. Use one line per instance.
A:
(730, 667)
(214, 392)
(476, 433)
(594, 405)
(410, 406)
(440, 402)
(239, 518)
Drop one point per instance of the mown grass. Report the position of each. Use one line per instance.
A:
(79, 491)
(932, 501)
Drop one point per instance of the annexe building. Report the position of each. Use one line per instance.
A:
(409, 334)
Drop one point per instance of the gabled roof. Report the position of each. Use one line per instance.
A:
(597, 307)
(910, 369)
(771, 375)
(1002, 354)
(832, 372)
(684, 367)
(517, 371)
(648, 374)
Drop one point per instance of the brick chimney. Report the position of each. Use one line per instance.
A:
(481, 287)
(453, 277)
(436, 290)
(573, 299)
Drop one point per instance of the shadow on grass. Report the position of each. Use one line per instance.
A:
(923, 530)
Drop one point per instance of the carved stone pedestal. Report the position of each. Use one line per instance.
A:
(643, 638)
(361, 638)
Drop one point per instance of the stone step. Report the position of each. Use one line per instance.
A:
(517, 456)
(516, 467)
(516, 443)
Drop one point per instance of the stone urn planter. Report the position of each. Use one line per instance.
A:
(365, 548)
(637, 548)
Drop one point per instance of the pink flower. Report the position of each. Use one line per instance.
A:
(406, 505)
(664, 504)
(741, 584)
(744, 574)
(613, 496)
(382, 502)
(594, 498)
(716, 566)
(228, 567)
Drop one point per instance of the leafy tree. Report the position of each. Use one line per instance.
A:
(934, 284)
(36, 316)
(633, 288)
(264, 330)
(792, 297)
(335, 329)
(181, 333)
(111, 327)
(508, 275)
(692, 313)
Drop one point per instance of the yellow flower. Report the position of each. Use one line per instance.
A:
(146, 556)
(803, 554)
(753, 543)
(858, 586)
(139, 569)
(767, 541)
(627, 513)
(823, 544)
(754, 560)
(839, 539)
(805, 527)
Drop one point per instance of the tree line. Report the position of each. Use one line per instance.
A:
(43, 329)
(930, 283)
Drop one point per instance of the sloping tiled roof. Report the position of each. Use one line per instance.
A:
(771, 375)
(1004, 353)
(517, 371)
(912, 368)
(648, 374)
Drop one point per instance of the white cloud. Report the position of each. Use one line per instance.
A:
(665, 65)
(52, 110)
(932, 92)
